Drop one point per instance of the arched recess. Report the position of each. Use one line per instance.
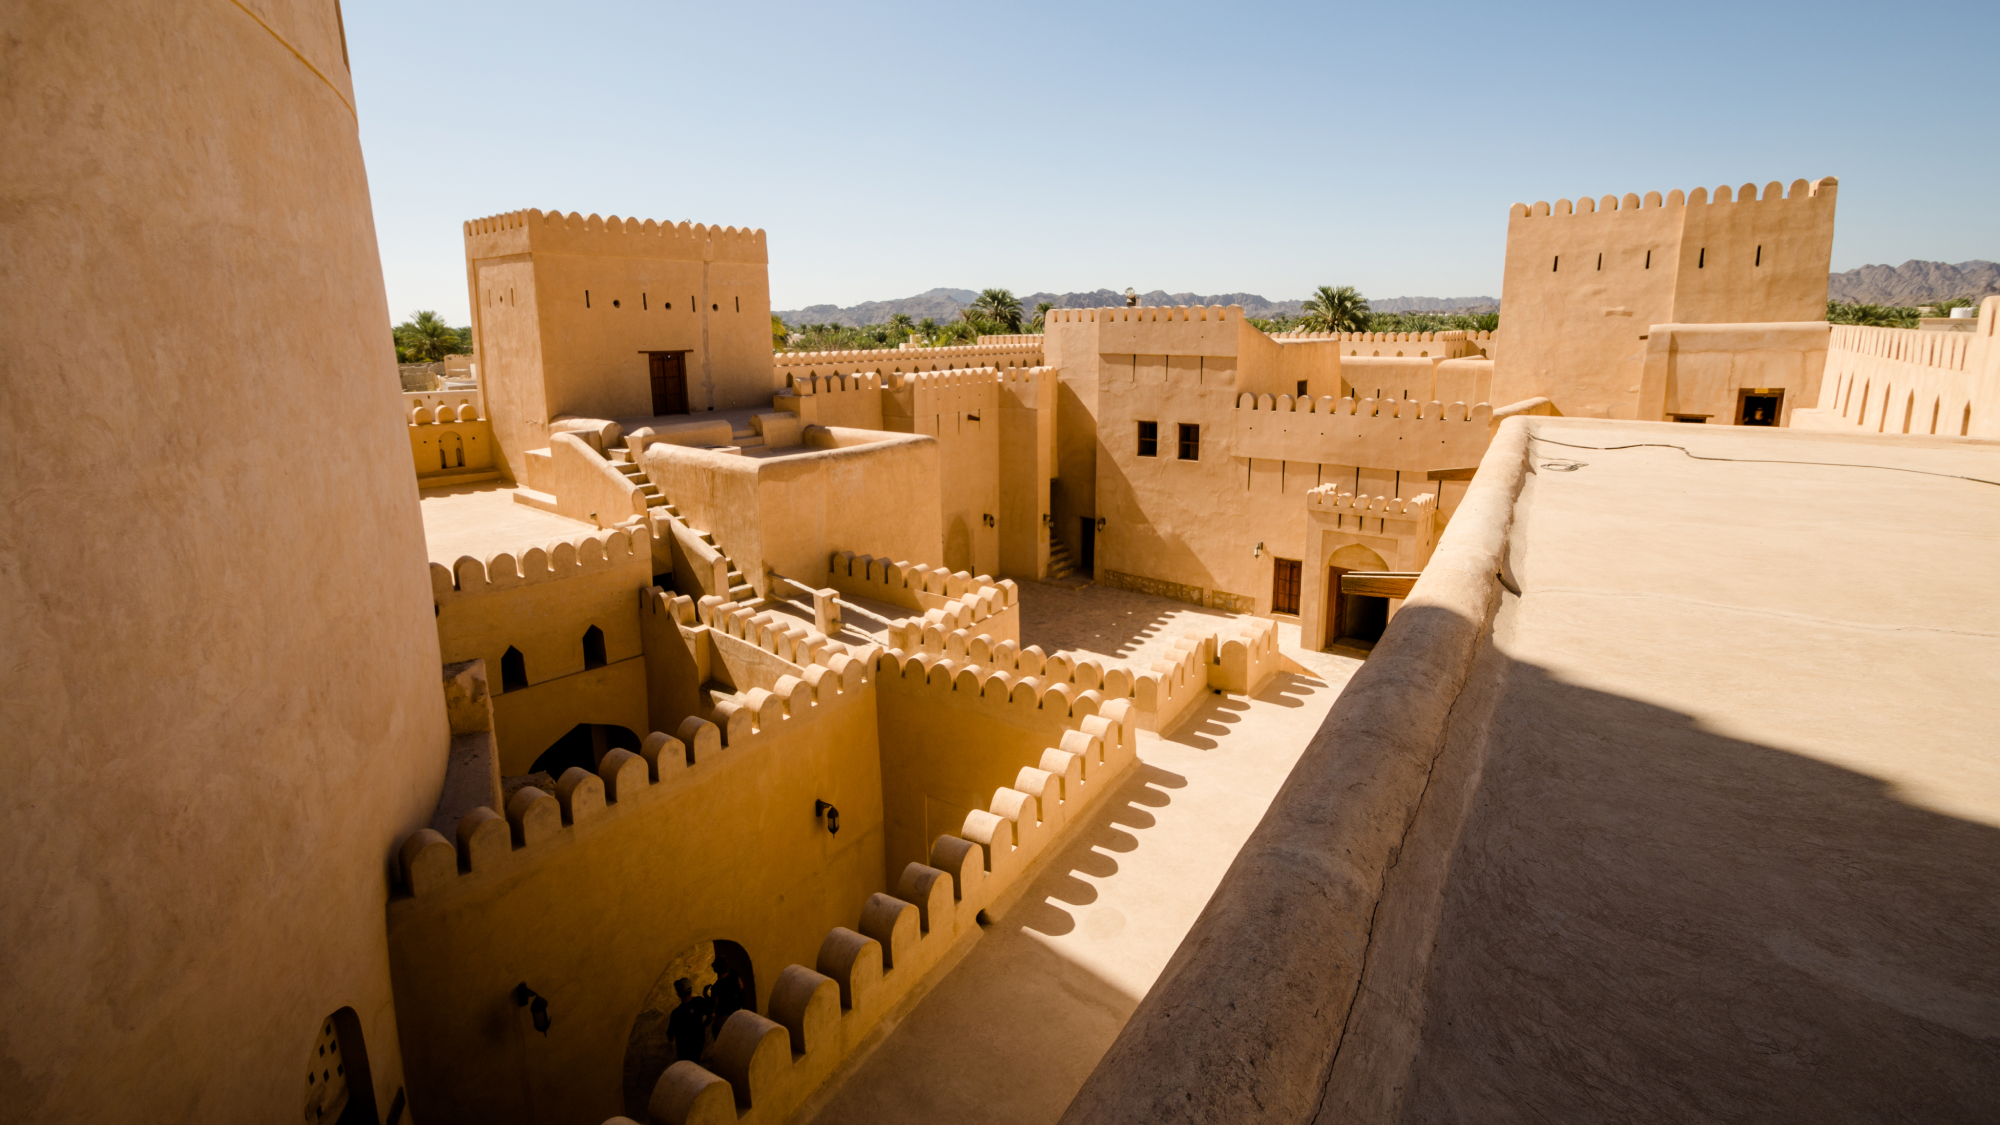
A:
(593, 648)
(513, 670)
(650, 1047)
(339, 1087)
(1353, 619)
(585, 745)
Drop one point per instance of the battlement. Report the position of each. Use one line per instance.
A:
(1448, 335)
(1020, 339)
(1479, 412)
(905, 583)
(1144, 313)
(1814, 192)
(518, 231)
(470, 577)
(893, 360)
(1329, 498)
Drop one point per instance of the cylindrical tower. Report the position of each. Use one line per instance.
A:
(220, 704)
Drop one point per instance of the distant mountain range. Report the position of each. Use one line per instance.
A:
(944, 304)
(1907, 284)
(1915, 281)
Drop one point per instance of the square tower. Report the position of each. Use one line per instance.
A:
(610, 318)
(1586, 283)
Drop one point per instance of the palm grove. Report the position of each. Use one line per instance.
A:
(997, 312)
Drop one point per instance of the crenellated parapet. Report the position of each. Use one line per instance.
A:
(790, 368)
(918, 586)
(1478, 413)
(1447, 336)
(518, 232)
(1388, 433)
(1146, 314)
(1803, 193)
(586, 554)
(1330, 499)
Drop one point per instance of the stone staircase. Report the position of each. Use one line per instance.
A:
(740, 589)
(1062, 568)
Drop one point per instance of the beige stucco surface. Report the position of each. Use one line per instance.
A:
(222, 704)
(1750, 872)
(1015, 1027)
(480, 520)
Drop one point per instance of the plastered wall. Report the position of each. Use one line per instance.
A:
(1703, 369)
(221, 736)
(1901, 380)
(1585, 282)
(565, 306)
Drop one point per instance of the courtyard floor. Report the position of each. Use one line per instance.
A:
(1010, 1033)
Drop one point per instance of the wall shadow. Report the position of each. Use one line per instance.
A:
(1107, 833)
(1645, 920)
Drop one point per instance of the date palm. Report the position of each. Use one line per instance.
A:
(999, 306)
(426, 338)
(1335, 309)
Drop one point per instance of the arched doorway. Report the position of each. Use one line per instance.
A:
(651, 1046)
(339, 1089)
(1356, 620)
(585, 745)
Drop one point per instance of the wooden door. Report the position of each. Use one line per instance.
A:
(1334, 600)
(669, 372)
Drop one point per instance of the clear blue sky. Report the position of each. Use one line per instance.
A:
(1261, 148)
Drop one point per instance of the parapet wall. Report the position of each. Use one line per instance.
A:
(1821, 190)
(1146, 314)
(1905, 380)
(470, 577)
(1399, 434)
(520, 232)
(789, 367)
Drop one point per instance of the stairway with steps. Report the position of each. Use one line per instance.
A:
(1062, 568)
(740, 589)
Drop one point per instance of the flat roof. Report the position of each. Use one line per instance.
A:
(482, 520)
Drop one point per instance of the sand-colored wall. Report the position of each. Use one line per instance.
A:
(564, 307)
(786, 512)
(1702, 368)
(1585, 283)
(1903, 380)
(541, 602)
(223, 714)
(589, 916)
(446, 449)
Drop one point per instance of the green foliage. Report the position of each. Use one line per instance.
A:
(1335, 309)
(1344, 309)
(779, 334)
(1885, 316)
(997, 306)
(426, 338)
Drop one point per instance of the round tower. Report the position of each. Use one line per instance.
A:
(221, 701)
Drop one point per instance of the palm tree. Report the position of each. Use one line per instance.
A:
(426, 338)
(780, 335)
(1332, 309)
(899, 325)
(999, 306)
(1040, 323)
(927, 328)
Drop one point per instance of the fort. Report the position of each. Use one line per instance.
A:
(1148, 719)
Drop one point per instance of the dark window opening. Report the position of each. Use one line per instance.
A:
(1303, 390)
(1190, 442)
(614, 303)
(1285, 585)
(667, 305)
(1649, 259)
(739, 304)
(1760, 409)
(1600, 261)
(513, 670)
(593, 647)
(585, 745)
(1087, 545)
(586, 298)
(643, 306)
(1760, 257)
(1556, 264)
(1149, 439)
(715, 308)
(1701, 261)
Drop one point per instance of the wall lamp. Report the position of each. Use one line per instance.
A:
(1100, 523)
(987, 520)
(538, 1008)
(1257, 552)
(1048, 519)
(832, 815)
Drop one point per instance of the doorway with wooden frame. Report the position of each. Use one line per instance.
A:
(669, 377)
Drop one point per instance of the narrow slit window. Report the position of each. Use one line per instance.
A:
(1649, 259)
(1556, 264)
(739, 304)
(1600, 261)
(643, 305)
(586, 298)
(1701, 260)
(1760, 257)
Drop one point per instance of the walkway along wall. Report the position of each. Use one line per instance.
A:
(1907, 381)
